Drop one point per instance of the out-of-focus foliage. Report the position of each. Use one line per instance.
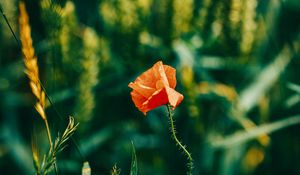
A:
(237, 66)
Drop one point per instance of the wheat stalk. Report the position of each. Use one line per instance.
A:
(89, 76)
(31, 66)
(60, 143)
(32, 72)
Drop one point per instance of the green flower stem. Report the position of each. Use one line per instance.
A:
(173, 131)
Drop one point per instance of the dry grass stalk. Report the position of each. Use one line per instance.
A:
(31, 66)
(60, 143)
(35, 154)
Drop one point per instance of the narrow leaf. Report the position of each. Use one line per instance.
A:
(294, 87)
(134, 168)
(244, 136)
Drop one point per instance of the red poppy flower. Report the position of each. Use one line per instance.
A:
(155, 87)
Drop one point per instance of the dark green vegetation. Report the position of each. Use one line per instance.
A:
(237, 64)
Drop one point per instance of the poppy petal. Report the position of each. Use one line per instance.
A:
(157, 99)
(171, 75)
(147, 78)
(160, 74)
(137, 99)
(155, 87)
(174, 97)
(141, 89)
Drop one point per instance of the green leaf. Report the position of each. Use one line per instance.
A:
(245, 136)
(134, 168)
(294, 87)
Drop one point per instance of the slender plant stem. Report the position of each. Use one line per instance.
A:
(189, 157)
(45, 120)
(83, 158)
(50, 144)
(10, 28)
(48, 132)
(52, 104)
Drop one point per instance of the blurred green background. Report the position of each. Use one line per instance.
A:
(237, 66)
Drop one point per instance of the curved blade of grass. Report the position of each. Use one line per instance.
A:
(294, 87)
(134, 168)
(245, 136)
(265, 80)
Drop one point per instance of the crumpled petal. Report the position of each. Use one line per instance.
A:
(160, 74)
(157, 72)
(147, 78)
(143, 90)
(157, 99)
(162, 97)
(137, 99)
(174, 97)
(155, 87)
(171, 75)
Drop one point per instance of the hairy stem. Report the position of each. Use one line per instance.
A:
(186, 152)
